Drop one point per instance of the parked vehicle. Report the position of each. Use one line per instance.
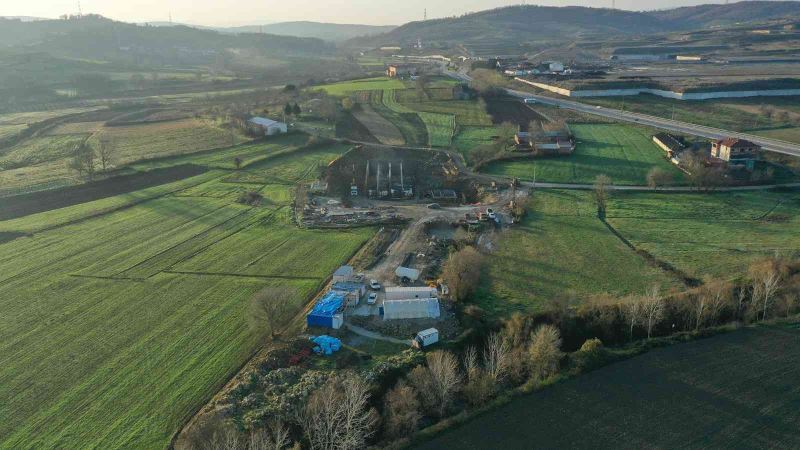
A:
(374, 285)
(425, 338)
(372, 298)
(434, 206)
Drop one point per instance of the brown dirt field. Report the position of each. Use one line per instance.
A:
(512, 111)
(386, 132)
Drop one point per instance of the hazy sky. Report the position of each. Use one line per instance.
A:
(250, 12)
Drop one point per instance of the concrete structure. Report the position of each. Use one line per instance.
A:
(660, 92)
(405, 293)
(733, 149)
(266, 126)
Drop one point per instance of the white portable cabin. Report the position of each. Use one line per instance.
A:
(425, 338)
(418, 308)
(409, 293)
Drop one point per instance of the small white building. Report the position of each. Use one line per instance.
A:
(419, 308)
(266, 126)
(411, 293)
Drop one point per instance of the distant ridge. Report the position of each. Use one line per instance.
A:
(319, 30)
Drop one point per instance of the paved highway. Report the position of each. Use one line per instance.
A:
(773, 145)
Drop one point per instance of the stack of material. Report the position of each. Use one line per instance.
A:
(326, 345)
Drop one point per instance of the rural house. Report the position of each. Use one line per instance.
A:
(401, 70)
(734, 150)
(672, 145)
(267, 127)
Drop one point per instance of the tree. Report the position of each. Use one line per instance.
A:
(438, 382)
(237, 162)
(296, 110)
(327, 108)
(461, 273)
(270, 308)
(288, 109)
(710, 302)
(277, 438)
(487, 82)
(479, 386)
(766, 280)
(496, 357)
(544, 352)
(505, 135)
(701, 175)
(83, 161)
(658, 177)
(348, 104)
(106, 151)
(633, 312)
(601, 188)
(337, 415)
(652, 309)
(401, 410)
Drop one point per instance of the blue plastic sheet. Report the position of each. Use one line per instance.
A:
(326, 345)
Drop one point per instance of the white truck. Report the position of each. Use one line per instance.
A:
(425, 338)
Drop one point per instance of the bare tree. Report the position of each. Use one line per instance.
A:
(83, 161)
(106, 151)
(505, 134)
(652, 309)
(658, 177)
(544, 352)
(401, 410)
(276, 438)
(633, 312)
(716, 296)
(601, 188)
(766, 283)
(271, 308)
(496, 356)
(461, 273)
(337, 416)
(438, 382)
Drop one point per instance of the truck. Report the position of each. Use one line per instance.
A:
(425, 338)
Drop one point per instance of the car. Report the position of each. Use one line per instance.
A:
(372, 298)
(374, 285)
(434, 206)
(492, 216)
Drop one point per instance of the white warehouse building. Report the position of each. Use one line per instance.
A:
(267, 126)
(407, 293)
(418, 308)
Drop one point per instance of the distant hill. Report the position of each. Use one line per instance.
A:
(545, 23)
(708, 15)
(327, 31)
(95, 37)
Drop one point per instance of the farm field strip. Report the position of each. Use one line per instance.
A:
(467, 113)
(27, 118)
(124, 349)
(562, 249)
(624, 153)
(384, 130)
(64, 216)
(11, 130)
(369, 84)
(440, 128)
(40, 150)
(717, 235)
(409, 123)
(468, 138)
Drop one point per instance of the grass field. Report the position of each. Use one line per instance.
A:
(38, 116)
(468, 138)
(717, 234)
(385, 131)
(40, 150)
(440, 128)
(735, 390)
(624, 153)
(10, 130)
(369, 84)
(467, 113)
(409, 123)
(561, 250)
(114, 328)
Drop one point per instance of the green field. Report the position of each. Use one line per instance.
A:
(40, 150)
(562, 250)
(368, 84)
(11, 130)
(469, 138)
(467, 113)
(717, 234)
(114, 329)
(736, 390)
(624, 153)
(440, 128)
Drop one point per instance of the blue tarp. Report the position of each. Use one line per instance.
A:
(327, 307)
(326, 345)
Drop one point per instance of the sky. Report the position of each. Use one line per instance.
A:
(254, 12)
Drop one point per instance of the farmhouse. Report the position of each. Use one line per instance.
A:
(267, 127)
(671, 144)
(734, 149)
(401, 70)
(555, 142)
